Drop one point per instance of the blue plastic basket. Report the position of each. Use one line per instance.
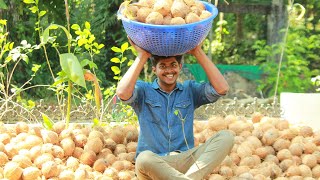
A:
(169, 40)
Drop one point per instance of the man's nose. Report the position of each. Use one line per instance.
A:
(168, 68)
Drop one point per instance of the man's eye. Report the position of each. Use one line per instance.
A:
(161, 67)
(174, 65)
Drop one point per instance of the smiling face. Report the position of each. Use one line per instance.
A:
(167, 71)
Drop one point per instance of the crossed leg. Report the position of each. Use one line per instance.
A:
(193, 164)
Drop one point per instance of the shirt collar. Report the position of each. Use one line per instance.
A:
(155, 85)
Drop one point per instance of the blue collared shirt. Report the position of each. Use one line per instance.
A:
(160, 127)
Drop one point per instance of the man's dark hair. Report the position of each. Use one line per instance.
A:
(155, 59)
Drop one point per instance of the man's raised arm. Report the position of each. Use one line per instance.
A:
(126, 85)
(216, 79)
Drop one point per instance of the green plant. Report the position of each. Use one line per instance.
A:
(84, 43)
(120, 110)
(183, 119)
(120, 61)
(294, 72)
(44, 38)
(73, 71)
(71, 68)
(39, 14)
(10, 58)
(87, 40)
(217, 45)
(3, 5)
(291, 72)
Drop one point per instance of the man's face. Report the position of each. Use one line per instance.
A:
(167, 71)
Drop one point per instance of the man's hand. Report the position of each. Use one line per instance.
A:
(141, 52)
(215, 77)
(196, 50)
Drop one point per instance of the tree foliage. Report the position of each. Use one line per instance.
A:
(108, 30)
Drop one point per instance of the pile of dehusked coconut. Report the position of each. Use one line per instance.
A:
(265, 148)
(165, 12)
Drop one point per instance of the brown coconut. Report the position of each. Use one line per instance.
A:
(22, 127)
(306, 131)
(205, 14)
(50, 169)
(80, 140)
(22, 160)
(120, 148)
(3, 158)
(143, 13)
(146, 3)
(131, 11)
(310, 160)
(100, 165)
(49, 136)
(192, 17)
(190, 2)
(270, 136)
(72, 163)
(177, 21)
(57, 151)
(131, 147)
(77, 152)
(132, 133)
(111, 172)
(110, 144)
(12, 171)
(31, 173)
(41, 159)
(59, 126)
(103, 153)
(68, 146)
(200, 5)
(154, 18)
(94, 144)
(256, 116)
(162, 7)
(179, 9)
(167, 21)
(31, 141)
(118, 134)
(66, 175)
(88, 157)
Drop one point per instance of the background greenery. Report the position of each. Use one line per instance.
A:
(301, 59)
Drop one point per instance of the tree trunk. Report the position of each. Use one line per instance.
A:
(277, 20)
(239, 27)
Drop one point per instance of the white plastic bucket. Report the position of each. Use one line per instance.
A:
(301, 108)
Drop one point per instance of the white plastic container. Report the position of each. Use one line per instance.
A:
(301, 108)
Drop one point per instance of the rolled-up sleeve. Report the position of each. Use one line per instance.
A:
(132, 98)
(211, 93)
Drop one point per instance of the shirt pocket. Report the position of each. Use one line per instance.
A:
(153, 111)
(184, 109)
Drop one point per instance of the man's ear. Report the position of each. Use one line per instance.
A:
(180, 66)
(154, 69)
